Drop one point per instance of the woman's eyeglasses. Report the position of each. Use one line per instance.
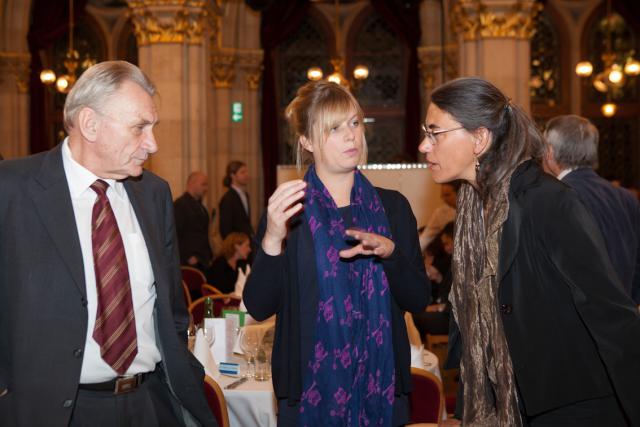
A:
(433, 134)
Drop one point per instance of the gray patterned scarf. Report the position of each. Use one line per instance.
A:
(490, 397)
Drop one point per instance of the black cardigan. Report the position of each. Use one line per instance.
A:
(287, 285)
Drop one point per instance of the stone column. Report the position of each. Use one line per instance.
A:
(236, 69)
(14, 104)
(434, 50)
(172, 38)
(495, 42)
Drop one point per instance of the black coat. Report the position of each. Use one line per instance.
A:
(192, 228)
(233, 217)
(572, 333)
(287, 285)
(617, 213)
(43, 302)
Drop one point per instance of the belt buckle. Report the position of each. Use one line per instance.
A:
(126, 384)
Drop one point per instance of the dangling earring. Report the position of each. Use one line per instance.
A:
(477, 165)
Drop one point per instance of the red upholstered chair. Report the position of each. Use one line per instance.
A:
(216, 401)
(220, 302)
(208, 289)
(187, 294)
(427, 398)
(194, 278)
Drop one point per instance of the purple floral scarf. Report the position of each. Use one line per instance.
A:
(350, 378)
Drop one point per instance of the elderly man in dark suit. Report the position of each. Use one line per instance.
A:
(572, 156)
(192, 223)
(92, 319)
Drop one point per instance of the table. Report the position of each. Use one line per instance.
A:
(250, 404)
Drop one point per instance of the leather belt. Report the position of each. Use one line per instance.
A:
(119, 385)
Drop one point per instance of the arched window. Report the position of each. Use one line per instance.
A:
(550, 69)
(308, 47)
(619, 156)
(382, 94)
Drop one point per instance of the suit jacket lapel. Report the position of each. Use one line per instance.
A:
(50, 194)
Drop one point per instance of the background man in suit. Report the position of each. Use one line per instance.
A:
(235, 212)
(572, 156)
(92, 319)
(192, 223)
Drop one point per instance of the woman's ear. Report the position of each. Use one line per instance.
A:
(305, 143)
(482, 140)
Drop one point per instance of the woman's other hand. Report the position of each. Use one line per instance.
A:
(370, 244)
(283, 204)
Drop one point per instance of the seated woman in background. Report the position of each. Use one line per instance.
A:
(435, 320)
(223, 272)
(338, 275)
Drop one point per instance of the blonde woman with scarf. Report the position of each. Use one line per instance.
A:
(544, 334)
(339, 263)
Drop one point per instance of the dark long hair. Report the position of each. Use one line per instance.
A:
(475, 103)
(233, 167)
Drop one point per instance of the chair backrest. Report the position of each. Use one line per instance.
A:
(220, 302)
(216, 401)
(208, 289)
(427, 398)
(193, 277)
(187, 294)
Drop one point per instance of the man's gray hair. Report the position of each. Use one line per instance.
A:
(574, 140)
(100, 82)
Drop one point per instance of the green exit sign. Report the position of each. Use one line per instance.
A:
(236, 112)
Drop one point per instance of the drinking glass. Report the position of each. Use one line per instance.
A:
(249, 346)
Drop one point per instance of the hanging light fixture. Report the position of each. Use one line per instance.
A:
(360, 72)
(64, 82)
(615, 72)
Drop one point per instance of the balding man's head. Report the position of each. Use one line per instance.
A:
(197, 185)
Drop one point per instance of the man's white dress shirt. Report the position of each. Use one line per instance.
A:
(143, 290)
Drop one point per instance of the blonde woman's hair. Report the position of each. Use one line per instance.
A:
(229, 243)
(318, 107)
(98, 83)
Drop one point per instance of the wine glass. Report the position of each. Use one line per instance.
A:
(249, 346)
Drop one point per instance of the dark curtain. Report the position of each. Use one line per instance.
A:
(403, 16)
(49, 22)
(280, 19)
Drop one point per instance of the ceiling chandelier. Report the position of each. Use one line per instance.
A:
(360, 72)
(65, 82)
(616, 69)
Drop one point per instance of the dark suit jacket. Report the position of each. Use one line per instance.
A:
(287, 285)
(572, 332)
(617, 213)
(43, 306)
(192, 227)
(233, 217)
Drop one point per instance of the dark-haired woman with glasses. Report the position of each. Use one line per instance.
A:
(543, 332)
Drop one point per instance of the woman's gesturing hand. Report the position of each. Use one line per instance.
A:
(283, 204)
(370, 244)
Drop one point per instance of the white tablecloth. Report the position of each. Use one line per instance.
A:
(250, 404)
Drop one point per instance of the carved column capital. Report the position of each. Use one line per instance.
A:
(250, 61)
(475, 19)
(222, 68)
(18, 66)
(170, 21)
